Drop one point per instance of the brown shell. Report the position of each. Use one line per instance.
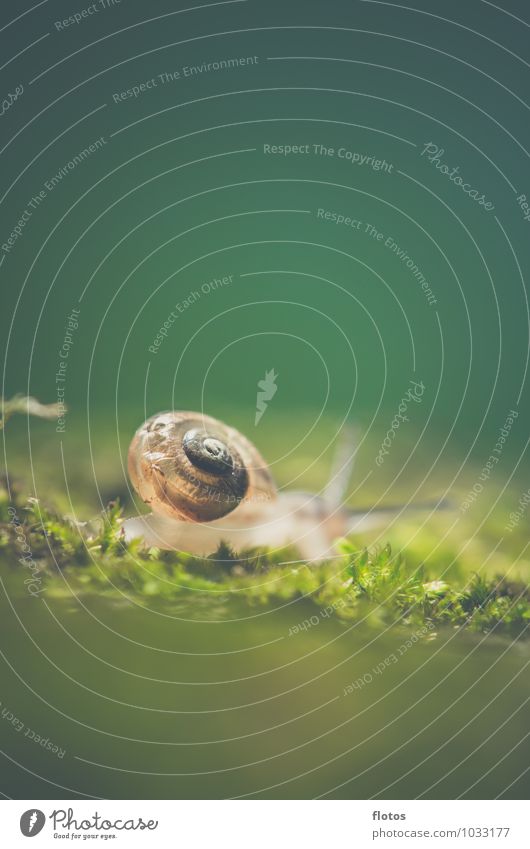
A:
(196, 490)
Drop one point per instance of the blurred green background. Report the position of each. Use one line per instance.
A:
(180, 193)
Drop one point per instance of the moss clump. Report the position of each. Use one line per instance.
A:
(377, 586)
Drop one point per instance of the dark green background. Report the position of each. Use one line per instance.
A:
(182, 193)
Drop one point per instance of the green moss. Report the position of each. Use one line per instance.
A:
(377, 586)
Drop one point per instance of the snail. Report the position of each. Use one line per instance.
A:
(206, 483)
(194, 468)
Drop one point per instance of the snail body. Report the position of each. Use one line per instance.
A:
(207, 483)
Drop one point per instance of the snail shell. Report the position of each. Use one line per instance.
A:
(192, 467)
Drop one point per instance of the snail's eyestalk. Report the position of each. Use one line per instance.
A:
(195, 468)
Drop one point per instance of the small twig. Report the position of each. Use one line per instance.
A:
(30, 406)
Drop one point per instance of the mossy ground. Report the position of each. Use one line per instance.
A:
(372, 585)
